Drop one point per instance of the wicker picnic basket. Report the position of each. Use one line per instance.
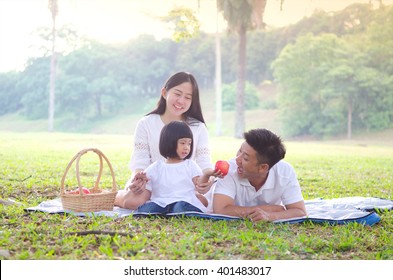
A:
(97, 199)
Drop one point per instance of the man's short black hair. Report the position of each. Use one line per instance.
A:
(268, 145)
(172, 132)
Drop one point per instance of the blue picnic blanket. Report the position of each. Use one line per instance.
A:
(333, 211)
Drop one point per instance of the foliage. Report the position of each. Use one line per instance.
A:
(196, 55)
(299, 70)
(185, 23)
(68, 39)
(32, 166)
(229, 97)
(94, 90)
(34, 83)
(236, 13)
(330, 84)
(97, 81)
(10, 95)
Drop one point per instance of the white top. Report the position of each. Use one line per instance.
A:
(280, 188)
(147, 137)
(172, 182)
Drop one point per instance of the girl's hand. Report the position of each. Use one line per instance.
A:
(203, 188)
(218, 173)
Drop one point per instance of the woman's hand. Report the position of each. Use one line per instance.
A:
(138, 183)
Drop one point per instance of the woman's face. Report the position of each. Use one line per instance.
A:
(178, 99)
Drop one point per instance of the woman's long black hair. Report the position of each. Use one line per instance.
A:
(195, 110)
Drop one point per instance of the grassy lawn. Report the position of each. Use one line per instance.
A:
(32, 165)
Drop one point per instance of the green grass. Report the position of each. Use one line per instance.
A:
(32, 165)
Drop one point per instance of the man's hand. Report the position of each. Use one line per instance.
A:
(258, 214)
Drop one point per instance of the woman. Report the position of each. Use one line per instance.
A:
(179, 101)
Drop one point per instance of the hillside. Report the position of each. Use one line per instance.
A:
(125, 125)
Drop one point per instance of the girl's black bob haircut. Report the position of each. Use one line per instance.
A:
(172, 132)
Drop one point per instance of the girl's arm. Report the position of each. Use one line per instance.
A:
(203, 180)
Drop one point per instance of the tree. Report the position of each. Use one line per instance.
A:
(10, 100)
(88, 84)
(53, 8)
(242, 15)
(310, 101)
(218, 78)
(229, 96)
(184, 23)
(328, 87)
(32, 85)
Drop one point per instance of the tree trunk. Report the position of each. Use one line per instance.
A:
(218, 82)
(349, 118)
(52, 5)
(52, 82)
(98, 105)
(241, 76)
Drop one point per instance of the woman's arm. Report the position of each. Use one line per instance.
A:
(129, 198)
(138, 183)
(141, 157)
(202, 154)
(135, 193)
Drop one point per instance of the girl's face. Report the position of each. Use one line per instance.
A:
(178, 99)
(183, 147)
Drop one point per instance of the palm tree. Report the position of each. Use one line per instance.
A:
(218, 80)
(53, 8)
(241, 16)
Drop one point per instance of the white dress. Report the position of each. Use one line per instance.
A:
(172, 182)
(147, 138)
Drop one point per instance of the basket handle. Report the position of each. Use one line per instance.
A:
(77, 158)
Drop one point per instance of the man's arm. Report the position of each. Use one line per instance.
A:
(294, 210)
(223, 204)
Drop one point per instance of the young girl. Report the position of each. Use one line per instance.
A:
(169, 185)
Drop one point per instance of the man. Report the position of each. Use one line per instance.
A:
(259, 184)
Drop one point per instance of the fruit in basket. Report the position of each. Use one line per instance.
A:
(76, 191)
(222, 166)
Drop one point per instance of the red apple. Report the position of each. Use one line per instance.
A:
(222, 166)
(76, 191)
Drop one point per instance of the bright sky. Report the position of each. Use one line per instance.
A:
(119, 20)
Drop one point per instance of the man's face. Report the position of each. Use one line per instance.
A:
(247, 163)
